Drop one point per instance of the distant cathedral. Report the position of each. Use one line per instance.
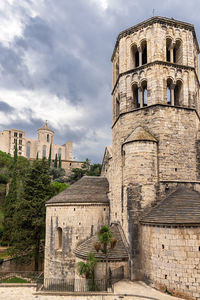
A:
(149, 189)
(30, 148)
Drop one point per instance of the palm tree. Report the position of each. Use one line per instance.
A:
(105, 244)
(88, 269)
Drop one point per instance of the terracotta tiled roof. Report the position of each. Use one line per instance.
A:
(91, 189)
(181, 207)
(120, 252)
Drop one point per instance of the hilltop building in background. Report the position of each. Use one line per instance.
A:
(29, 147)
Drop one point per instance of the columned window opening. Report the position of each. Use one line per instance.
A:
(169, 50)
(59, 233)
(135, 56)
(144, 52)
(117, 108)
(178, 93)
(143, 101)
(28, 149)
(136, 96)
(170, 92)
(178, 53)
(44, 151)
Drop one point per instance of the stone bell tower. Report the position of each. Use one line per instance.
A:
(155, 119)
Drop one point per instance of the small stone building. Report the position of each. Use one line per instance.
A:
(152, 170)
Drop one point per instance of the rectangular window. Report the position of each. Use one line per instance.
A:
(15, 134)
(15, 141)
(20, 142)
(20, 135)
(20, 147)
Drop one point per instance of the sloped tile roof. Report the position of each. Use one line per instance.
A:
(181, 207)
(120, 252)
(140, 134)
(91, 189)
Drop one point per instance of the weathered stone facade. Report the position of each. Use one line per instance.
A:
(153, 165)
(170, 257)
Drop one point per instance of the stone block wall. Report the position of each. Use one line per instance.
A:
(175, 129)
(78, 222)
(170, 259)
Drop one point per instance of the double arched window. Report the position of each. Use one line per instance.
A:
(174, 51)
(174, 92)
(139, 54)
(139, 94)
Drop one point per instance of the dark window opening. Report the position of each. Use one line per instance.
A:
(20, 135)
(136, 97)
(165, 276)
(175, 169)
(144, 55)
(136, 59)
(168, 54)
(199, 248)
(20, 147)
(15, 141)
(47, 137)
(20, 142)
(163, 247)
(59, 231)
(15, 134)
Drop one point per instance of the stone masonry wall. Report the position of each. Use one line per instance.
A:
(176, 131)
(78, 222)
(170, 259)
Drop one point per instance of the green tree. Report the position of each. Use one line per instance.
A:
(15, 152)
(49, 159)
(29, 218)
(88, 269)
(105, 244)
(58, 187)
(56, 161)
(60, 162)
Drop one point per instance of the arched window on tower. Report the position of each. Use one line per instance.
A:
(144, 93)
(59, 238)
(136, 96)
(28, 149)
(177, 51)
(144, 52)
(134, 56)
(178, 91)
(170, 92)
(44, 151)
(169, 50)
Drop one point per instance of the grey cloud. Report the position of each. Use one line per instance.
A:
(4, 107)
(74, 41)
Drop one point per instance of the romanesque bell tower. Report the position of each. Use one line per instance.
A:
(155, 127)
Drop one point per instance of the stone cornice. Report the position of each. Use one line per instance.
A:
(57, 204)
(156, 62)
(151, 21)
(152, 107)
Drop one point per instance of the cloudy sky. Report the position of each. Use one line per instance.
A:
(55, 64)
